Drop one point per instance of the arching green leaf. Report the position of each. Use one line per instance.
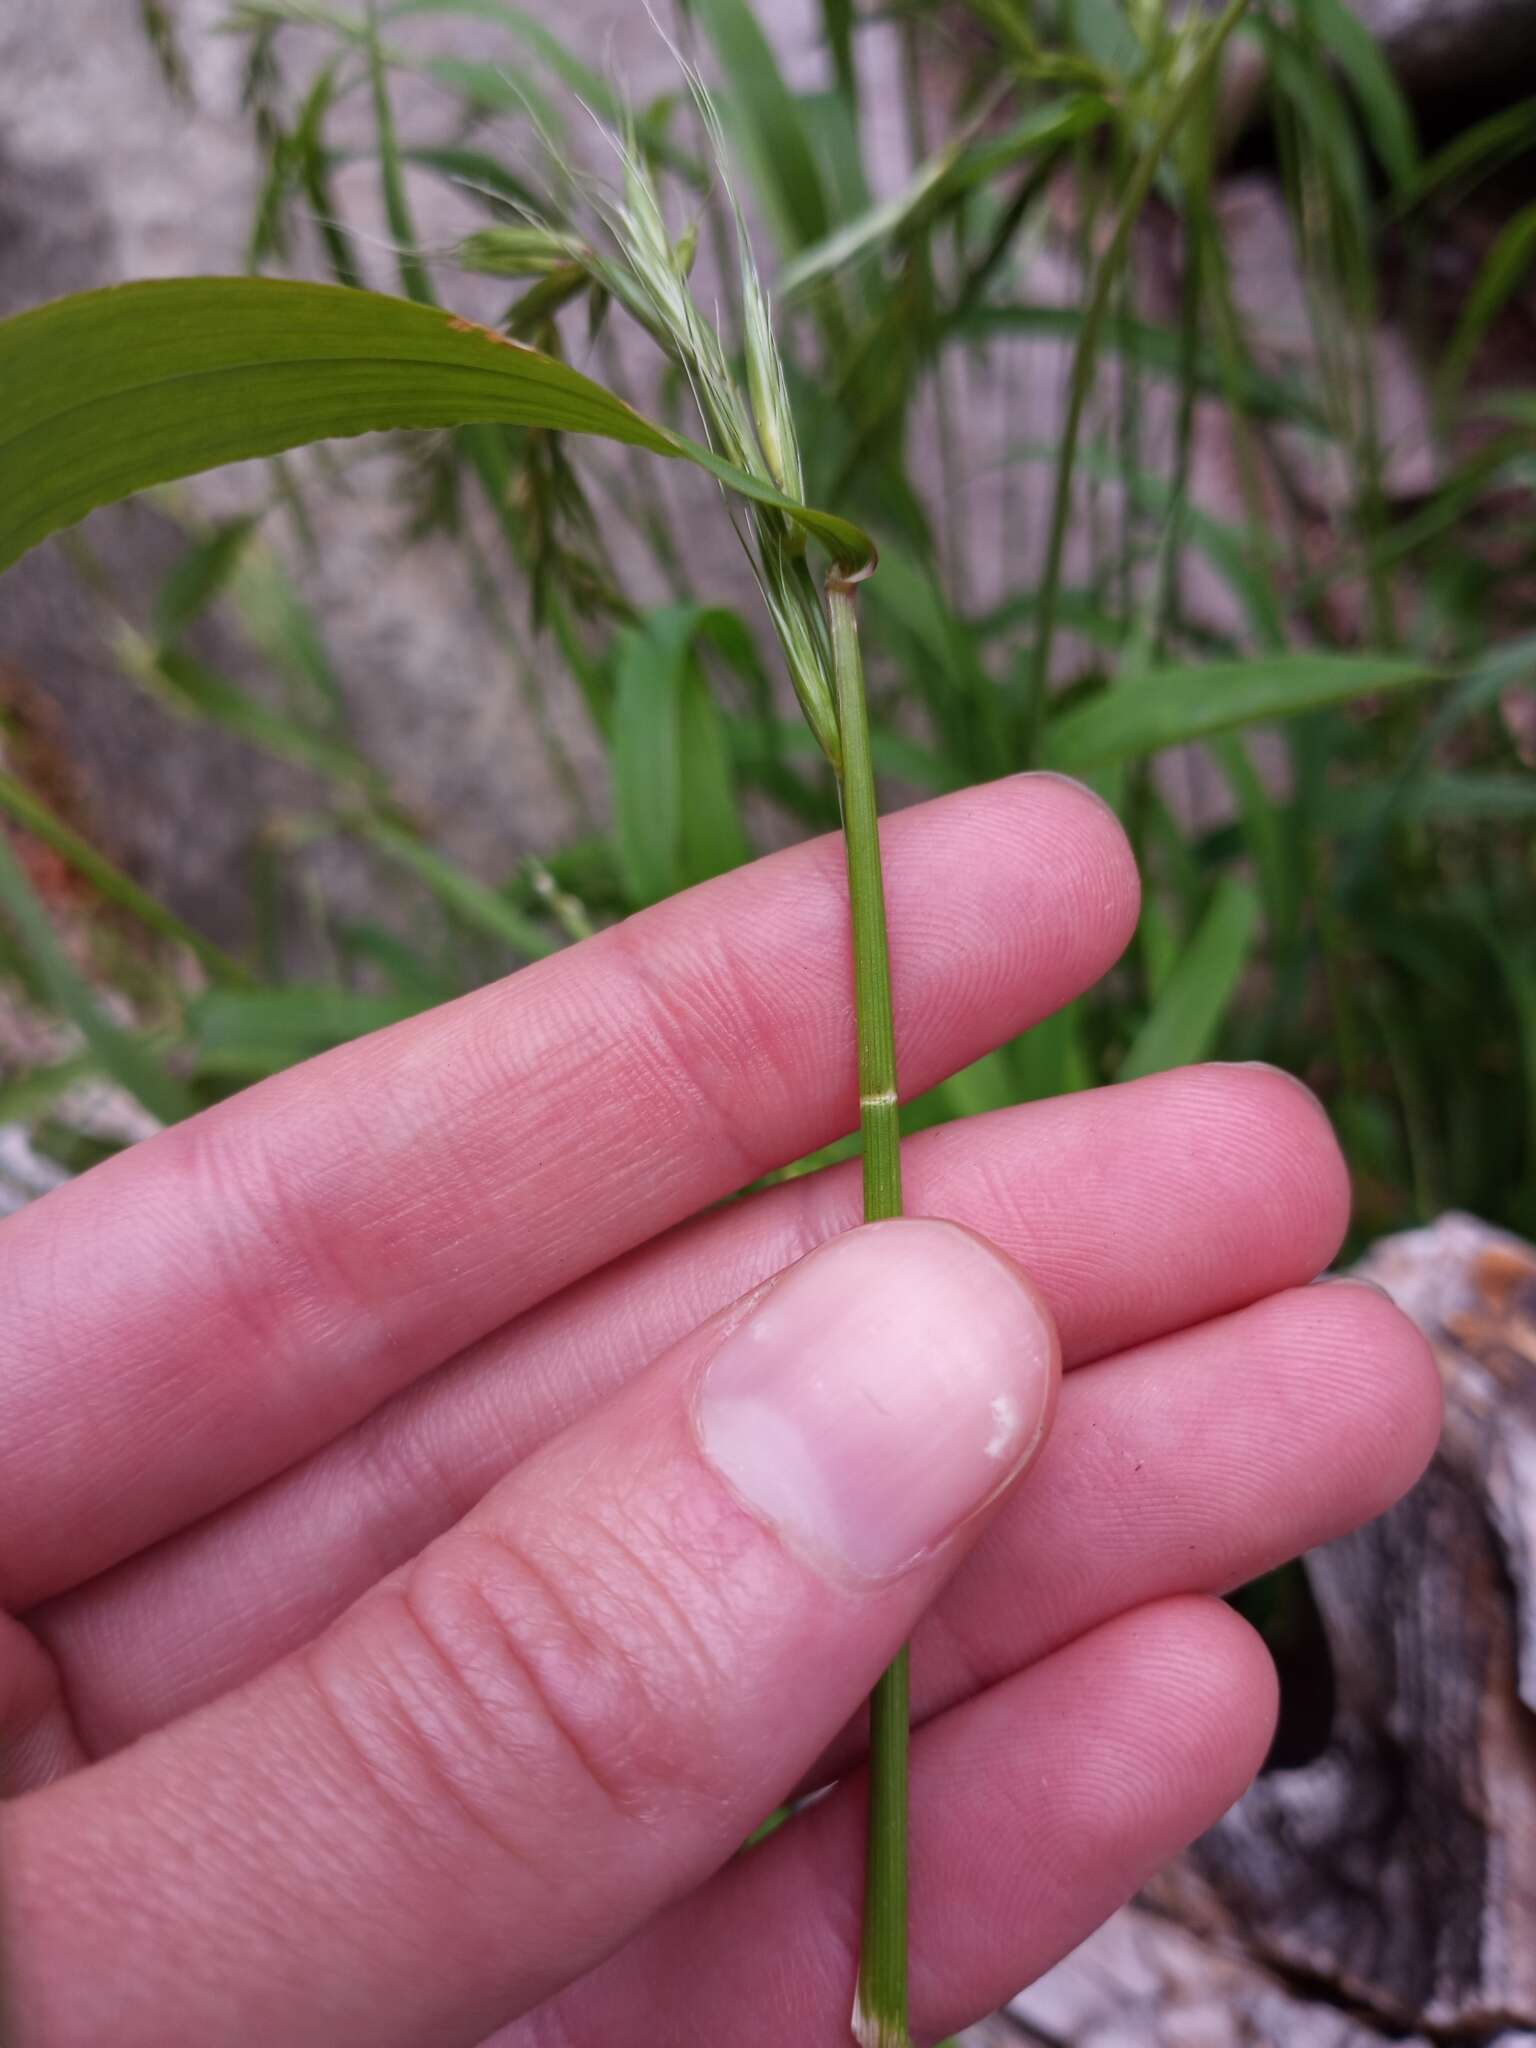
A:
(110, 391)
(1168, 706)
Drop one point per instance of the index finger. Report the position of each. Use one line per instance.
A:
(193, 1316)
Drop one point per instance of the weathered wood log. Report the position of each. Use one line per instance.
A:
(1385, 1890)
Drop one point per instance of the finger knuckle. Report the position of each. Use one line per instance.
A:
(567, 1680)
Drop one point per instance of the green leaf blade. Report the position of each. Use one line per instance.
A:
(108, 392)
(765, 122)
(1183, 1023)
(1171, 706)
(677, 818)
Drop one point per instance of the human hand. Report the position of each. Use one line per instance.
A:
(426, 1579)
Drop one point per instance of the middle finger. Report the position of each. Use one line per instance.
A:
(1137, 1210)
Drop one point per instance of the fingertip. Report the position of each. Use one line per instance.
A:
(1109, 885)
(1405, 1393)
(1230, 1692)
(1266, 1110)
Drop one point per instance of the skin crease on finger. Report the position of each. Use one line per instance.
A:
(1088, 1821)
(573, 1708)
(1189, 1465)
(1139, 1208)
(1038, 1808)
(331, 1235)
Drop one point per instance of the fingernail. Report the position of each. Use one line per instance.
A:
(1269, 1067)
(879, 1393)
(1352, 1280)
(1071, 782)
(1262, 1065)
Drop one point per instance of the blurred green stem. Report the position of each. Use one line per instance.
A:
(110, 881)
(1086, 356)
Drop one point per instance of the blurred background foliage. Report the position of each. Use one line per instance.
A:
(1135, 524)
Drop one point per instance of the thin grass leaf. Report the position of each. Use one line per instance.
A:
(764, 122)
(838, 21)
(676, 817)
(1336, 160)
(118, 1053)
(589, 86)
(109, 881)
(1226, 547)
(509, 90)
(1478, 151)
(414, 281)
(197, 579)
(1179, 104)
(259, 14)
(1383, 106)
(872, 228)
(944, 178)
(1503, 271)
(1157, 943)
(1438, 796)
(243, 1035)
(34, 1091)
(285, 628)
(714, 834)
(480, 908)
(895, 758)
(489, 89)
(477, 173)
(313, 162)
(1166, 707)
(985, 1085)
(1268, 832)
(944, 658)
(160, 32)
(425, 980)
(1052, 1059)
(190, 686)
(1183, 1024)
(1154, 348)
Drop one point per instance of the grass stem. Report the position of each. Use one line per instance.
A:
(880, 2009)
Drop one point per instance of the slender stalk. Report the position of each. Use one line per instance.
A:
(952, 537)
(485, 446)
(111, 883)
(568, 911)
(557, 755)
(880, 2017)
(1086, 355)
(1167, 606)
(880, 2008)
(878, 1119)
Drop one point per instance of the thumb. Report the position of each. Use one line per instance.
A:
(569, 1710)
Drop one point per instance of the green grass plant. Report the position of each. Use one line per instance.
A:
(1328, 789)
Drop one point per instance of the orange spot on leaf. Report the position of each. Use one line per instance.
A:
(502, 340)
